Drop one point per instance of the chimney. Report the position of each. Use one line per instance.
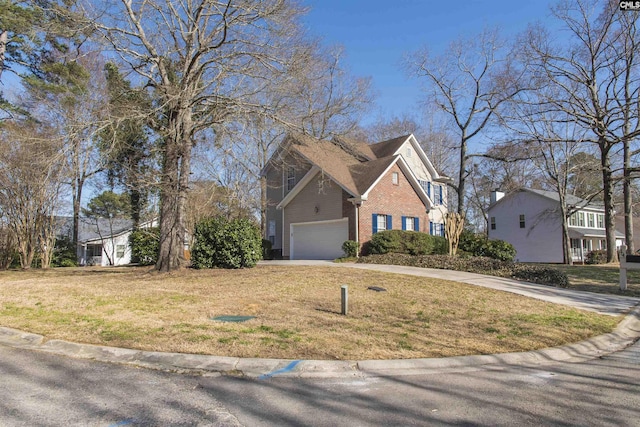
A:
(496, 195)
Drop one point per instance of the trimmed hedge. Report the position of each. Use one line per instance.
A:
(220, 243)
(406, 242)
(481, 265)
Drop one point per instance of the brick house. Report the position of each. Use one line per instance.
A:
(321, 193)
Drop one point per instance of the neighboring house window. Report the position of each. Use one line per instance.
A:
(291, 178)
(120, 251)
(381, 222)
(573, 219)
(410, 223)
(580, 219)
(591, 220)
(394, 178)
(493, 222)
(522, 223)
(600, 220)
(271, 231)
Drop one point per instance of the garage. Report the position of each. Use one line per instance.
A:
(319, 239)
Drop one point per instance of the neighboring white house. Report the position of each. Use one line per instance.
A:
(530, 220)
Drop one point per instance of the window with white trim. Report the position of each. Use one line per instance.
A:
(382, 223)
(591, 220)
(408, 151)
(410, 223)
(394, 178)
(120, 251)
(580, 219)
(291, 178)
(600, 220)
(493, 222)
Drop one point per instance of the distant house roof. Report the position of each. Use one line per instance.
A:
(570, 199)
(90, 229)
(575, 232)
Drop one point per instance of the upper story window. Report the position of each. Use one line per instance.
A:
(408, 151)
(600, 220)
(291, 178)
(426, 186)
(493, 222)
(394, 178)
(577, 219)
(591, 221)
(580, 219)
(522, 222)
(438, 195)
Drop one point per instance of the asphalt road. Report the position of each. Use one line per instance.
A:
(38, 389)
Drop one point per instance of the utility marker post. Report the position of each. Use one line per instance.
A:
(344, 290)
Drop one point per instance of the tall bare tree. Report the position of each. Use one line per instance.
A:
(30, 175)
(590, 84)
(470, 83)
(203, 60)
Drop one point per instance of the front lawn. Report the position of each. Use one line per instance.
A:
(296, 308)
(603, 278)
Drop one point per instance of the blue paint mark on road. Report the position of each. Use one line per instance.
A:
(287, 368)
(122, 423)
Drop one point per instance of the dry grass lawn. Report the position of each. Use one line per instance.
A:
(600, 278)
(296, 308)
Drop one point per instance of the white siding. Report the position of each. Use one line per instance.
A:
(541, 239)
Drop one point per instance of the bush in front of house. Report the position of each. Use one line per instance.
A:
(350, 248)
(406, 242)
(481, 265)
(540, 274)
(598, 256)
(479, 245)
(145, 245)
(64, 253)
(222, 243)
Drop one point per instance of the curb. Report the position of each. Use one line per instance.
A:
(625, 334)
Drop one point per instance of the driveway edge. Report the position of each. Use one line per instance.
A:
(625, 334)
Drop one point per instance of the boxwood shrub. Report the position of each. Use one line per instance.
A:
(220, 243)
(406, 242)
(350, 248)
(479, 245)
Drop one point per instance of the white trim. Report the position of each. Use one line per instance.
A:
(291, 240)
(298, 187)
(414, 142)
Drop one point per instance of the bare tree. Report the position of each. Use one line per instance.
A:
(589, 85)
(203, 60)
(469, 83)
(30, 175)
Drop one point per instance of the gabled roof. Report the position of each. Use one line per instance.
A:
(353, 165)
(570, 199)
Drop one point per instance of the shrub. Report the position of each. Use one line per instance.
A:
(64, 253)
(541, 274)
(145, 245)
(226, 244)
(479, 245)
(596, 257)
(406, 242)
(481, 265)
(350, 248)
(266, 249)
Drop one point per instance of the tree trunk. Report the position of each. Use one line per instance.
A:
(628, 202)
(566, 239)
(173, 191)
(462, 174)
(263, 207)
(609, 217)
(3, 48)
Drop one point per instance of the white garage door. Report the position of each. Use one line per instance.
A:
(319, 240)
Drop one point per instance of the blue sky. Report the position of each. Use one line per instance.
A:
(376, 34)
